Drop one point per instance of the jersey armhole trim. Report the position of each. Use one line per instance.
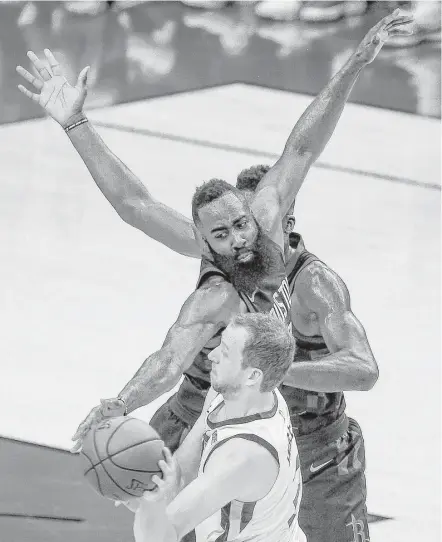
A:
(246, 436)
(211, 272)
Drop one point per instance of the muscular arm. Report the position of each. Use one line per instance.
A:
(130, 198)
(204, 313)
(279, 187)
(351, 364)
(239, 470)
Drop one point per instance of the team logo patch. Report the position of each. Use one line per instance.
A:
(358, 530)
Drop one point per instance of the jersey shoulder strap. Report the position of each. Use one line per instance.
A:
(300, 259)
(209, 269)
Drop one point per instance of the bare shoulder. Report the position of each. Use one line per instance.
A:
(239, 452)
(214, 281)
(318, 284)
(217, 287)
(215, 299)
(247, 465)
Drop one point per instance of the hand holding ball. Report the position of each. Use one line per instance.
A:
(120, 456)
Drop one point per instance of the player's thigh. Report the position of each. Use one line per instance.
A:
(333, 505)
(169, 426)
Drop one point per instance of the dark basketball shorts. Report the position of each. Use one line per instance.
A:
(171, 428)
(333, 505)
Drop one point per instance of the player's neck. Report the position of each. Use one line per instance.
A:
(247, 404)
(288, 252)
(291, 249)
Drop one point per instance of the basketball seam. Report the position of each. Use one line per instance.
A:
(96, 473)
(110, 456)
(104, 468)
(128, 448)
(134, 446)
(121, 451)
(113, 433)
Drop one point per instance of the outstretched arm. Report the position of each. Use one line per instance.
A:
(205, 312)
(130, 198)
(351, 364)
(313, 130)
(124, 191)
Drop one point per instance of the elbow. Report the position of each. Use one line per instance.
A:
(304, 153)
(128, 210)
(370, 375)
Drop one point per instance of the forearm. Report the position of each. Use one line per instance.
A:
(315, 127)
(158, 375)
(115, 180)
(129, 197)
(188, 456)
(310, 135)
(342, 371)
(154, 524)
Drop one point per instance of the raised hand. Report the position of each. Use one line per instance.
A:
(395, 24)
(152, 523)
(109, 408)
(61, 100)
(169, 485)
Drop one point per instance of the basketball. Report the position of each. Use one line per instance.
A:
(120, 456)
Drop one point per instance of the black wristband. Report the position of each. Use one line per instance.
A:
(125, 405)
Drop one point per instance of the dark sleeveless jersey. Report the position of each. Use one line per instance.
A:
(272, 296)
(309, 410)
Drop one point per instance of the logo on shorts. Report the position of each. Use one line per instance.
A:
(314, 469)
(358, 530)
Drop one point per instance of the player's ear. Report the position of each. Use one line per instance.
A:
(205, 249)
(202, 243)
(289, 223)
(255, 376)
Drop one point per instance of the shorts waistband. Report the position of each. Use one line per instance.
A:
(324, 435)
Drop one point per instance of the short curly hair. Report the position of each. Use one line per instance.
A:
(211, 191)
(249, 178)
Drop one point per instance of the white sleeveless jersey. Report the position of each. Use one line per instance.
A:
(275, 517)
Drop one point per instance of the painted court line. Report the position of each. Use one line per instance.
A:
(39, 517)
(255, 152)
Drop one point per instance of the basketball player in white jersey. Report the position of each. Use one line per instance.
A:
(245, 484)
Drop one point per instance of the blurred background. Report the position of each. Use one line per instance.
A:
(146, 49)
(183, 92)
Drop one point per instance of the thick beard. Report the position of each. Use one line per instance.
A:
(247, 276)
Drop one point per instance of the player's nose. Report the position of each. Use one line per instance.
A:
(238, 241)
(213, 356)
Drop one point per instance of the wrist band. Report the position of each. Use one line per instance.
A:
(72, 126)
(125, 405)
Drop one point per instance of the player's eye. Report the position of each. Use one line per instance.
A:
(221, 235)
(242, 224)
